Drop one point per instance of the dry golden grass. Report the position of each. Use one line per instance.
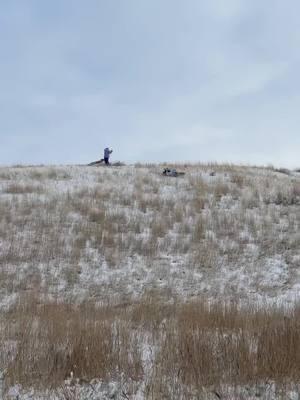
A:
(18, 188)
(194, 346)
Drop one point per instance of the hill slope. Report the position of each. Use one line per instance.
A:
(110, 234)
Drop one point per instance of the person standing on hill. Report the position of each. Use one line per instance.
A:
(107, 153)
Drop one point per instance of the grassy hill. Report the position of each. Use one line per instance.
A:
(130, 265)
(79, 233)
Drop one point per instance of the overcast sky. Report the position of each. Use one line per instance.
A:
(156, 80)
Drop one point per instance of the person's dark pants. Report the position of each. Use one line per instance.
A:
(106, 160)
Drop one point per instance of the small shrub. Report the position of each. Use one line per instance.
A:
(238, 180)
(221, 189)
(158, 228)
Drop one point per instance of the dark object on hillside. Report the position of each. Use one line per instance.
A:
(283, 171)
(96, 162)
(172, 172)
(101, 164)
(212, 173)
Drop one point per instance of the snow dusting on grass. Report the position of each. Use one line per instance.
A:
(118, 236)
(81, 232)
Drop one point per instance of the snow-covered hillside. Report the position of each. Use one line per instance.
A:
(110, 234)
(107, 276)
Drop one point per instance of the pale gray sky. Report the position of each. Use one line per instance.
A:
(212, 80)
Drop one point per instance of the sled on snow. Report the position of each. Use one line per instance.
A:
(102, 163)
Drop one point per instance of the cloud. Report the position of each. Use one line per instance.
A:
(155, 80)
